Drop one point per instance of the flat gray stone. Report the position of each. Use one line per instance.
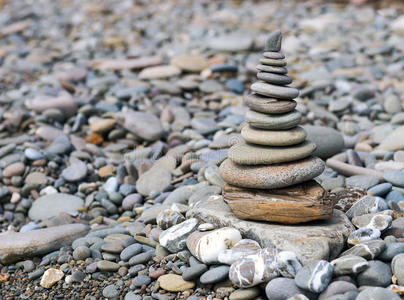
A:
(144, 125)
(273, 122)
(154, 180)
(49, 206)
(328, 140)
(275, 91)
(75, 172)
(16, 246)
(274, 78)
(250, 154)
(277, 138)
(310, 242)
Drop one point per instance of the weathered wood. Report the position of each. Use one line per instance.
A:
(292, 205)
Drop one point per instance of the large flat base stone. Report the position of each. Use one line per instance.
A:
(310, 241)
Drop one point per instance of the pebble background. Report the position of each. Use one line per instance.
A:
(114, 118)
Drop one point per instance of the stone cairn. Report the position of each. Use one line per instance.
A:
(269, 174)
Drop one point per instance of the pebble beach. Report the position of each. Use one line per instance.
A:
(122, 124)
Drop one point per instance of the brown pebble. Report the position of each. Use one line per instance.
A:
(106, 171)
(156, 273)
(94, 138)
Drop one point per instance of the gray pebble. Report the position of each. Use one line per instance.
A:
(215, 274)
(110, 291)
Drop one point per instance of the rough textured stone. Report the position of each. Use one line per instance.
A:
(50, 277)
(268, 105)
(273, 122)
(174, 239)
(319, 240)
(271, 176)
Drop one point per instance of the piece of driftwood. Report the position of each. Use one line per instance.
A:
(292, 205)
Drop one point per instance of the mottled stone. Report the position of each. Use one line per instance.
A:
(310, 242)
(267, 105)
(272, 176)
(206, 246)
(255, 268)
(250, 154)
(174, 239)
(240, 249)
(349, 264)
(368, 249)
(51, 277)
(315, 277)
(273, 122)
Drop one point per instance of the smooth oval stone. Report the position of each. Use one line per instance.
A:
(52, 205)
(242, 248)
(380, 189)
(270, 69)
(287, 137)
(194, 272)
(377, 274)
(75, 172)
(105, 265)
(395, 177)
(255, 268)
(337, 288)
(328, 140)
(349, 264)
(174, 283)
(368, 249)
(285, 288)
(276, 91)
(206, 246)
(155, 179)
(271, 177)
(245, 294)
(377, 293)
(273, 122)
(314, 277)
(397, 266)
(273, 62)
(215, 275)
(249, 154)
(392, 250)
(263, 104)
(273, 55)
(144, 125)
(274, 78)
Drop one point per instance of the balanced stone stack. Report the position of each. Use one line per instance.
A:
(270, 173)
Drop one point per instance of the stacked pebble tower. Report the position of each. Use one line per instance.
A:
(269, 174)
